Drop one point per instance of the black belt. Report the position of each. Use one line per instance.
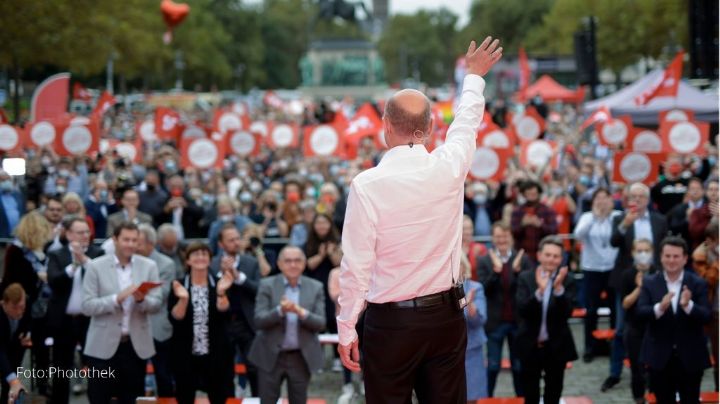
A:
(124, 338)
(434, 299)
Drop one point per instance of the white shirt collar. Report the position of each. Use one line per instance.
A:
(679, 279)
(119, 266)
(401, 151)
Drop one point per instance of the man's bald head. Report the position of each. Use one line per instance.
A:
(408, 111)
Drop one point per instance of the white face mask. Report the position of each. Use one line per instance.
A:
(643, 258)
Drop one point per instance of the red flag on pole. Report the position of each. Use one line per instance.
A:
(105, 102)
(601, 115)
(668, 85)
(524, 70)
(50, 98)
(80, 92)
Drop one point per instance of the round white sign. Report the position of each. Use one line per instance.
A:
(229, 122)
(676, 115)
(485, 164)
(539, 153)
(615, 132)
(684, 137)
(324, 140)
(647, 142)
(127, 150)
(202, 153)
(635, 167)
(242, 143)
(528, 128)
(9, 137)
(147, 131)
(259, 127)
(497, 139)
(42, 133)
(77, 139)
(193, 131)
(282, 135)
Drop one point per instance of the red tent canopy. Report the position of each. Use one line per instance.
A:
(550, 90)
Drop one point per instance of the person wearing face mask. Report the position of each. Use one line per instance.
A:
(670, 191)
(67, 179)
(533, 220)
(12, 205)
(225, 214)
(99, 205)
(477, 207)
(634, 326)
(152, 196)
(678, 217)
(597, 260)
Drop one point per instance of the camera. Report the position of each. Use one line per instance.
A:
(254, 242)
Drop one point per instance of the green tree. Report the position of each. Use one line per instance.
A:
(419, 45)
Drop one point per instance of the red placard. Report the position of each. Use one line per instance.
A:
(283, 135)
(167, 123)
(262, 128)
(678, 114)
(528, 126)
(615, 131)
(644, 141)
(76, 139)
(489, 164)
(40, 134)
(684, 137)
(538, 153)
(132, 151)
(323, 140)
(631, 167)
(226, 121)
(202, 153)
(145, 130)
(243, 143)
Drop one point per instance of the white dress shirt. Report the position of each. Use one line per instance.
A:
(124, 274)
(74, 306)
(676, 288)
(403, 223)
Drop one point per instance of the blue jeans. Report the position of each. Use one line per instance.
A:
(618, 347)
(494, 356)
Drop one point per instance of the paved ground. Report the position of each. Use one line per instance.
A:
(582, 380)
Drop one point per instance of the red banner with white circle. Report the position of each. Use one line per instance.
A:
(644, 141)
(631, 167)
(676, 115)
(40, 134)
(11, 139)
(488, 164)
(202, 153)
(283, 135)
(615, 131)
(243, 143)
(322, 140)
(538, 153)
(528, 125)
(77, 140)
(685, 137)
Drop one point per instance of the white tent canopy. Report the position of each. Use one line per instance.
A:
(622, 102)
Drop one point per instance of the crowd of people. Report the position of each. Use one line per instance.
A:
(239, 264)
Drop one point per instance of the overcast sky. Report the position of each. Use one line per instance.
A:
(461, 8)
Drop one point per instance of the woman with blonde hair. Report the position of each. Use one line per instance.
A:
(25, 263)
(74, 206)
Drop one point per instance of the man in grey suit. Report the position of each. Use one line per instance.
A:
(289, 313)
(130, 201)
(245, 273)
(161, 327)
(119, 338)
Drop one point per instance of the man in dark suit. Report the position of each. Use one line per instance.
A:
(676, 306)
(13, 340)
(67, 324)
(129, 213)
(678, 218)
(245, 273)
(544, 344)
(498, 272)
(289, 314)
(636, 223)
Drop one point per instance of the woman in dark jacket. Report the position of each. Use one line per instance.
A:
(202, 356)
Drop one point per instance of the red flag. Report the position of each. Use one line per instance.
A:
(524, 70)
(3, 117)
(167, 123)
(273, 100)
(668, 85)
(601, 115)
(80, 92)
(50, 98)
(105, 102)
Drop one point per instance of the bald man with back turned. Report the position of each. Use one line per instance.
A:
(402, 251)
